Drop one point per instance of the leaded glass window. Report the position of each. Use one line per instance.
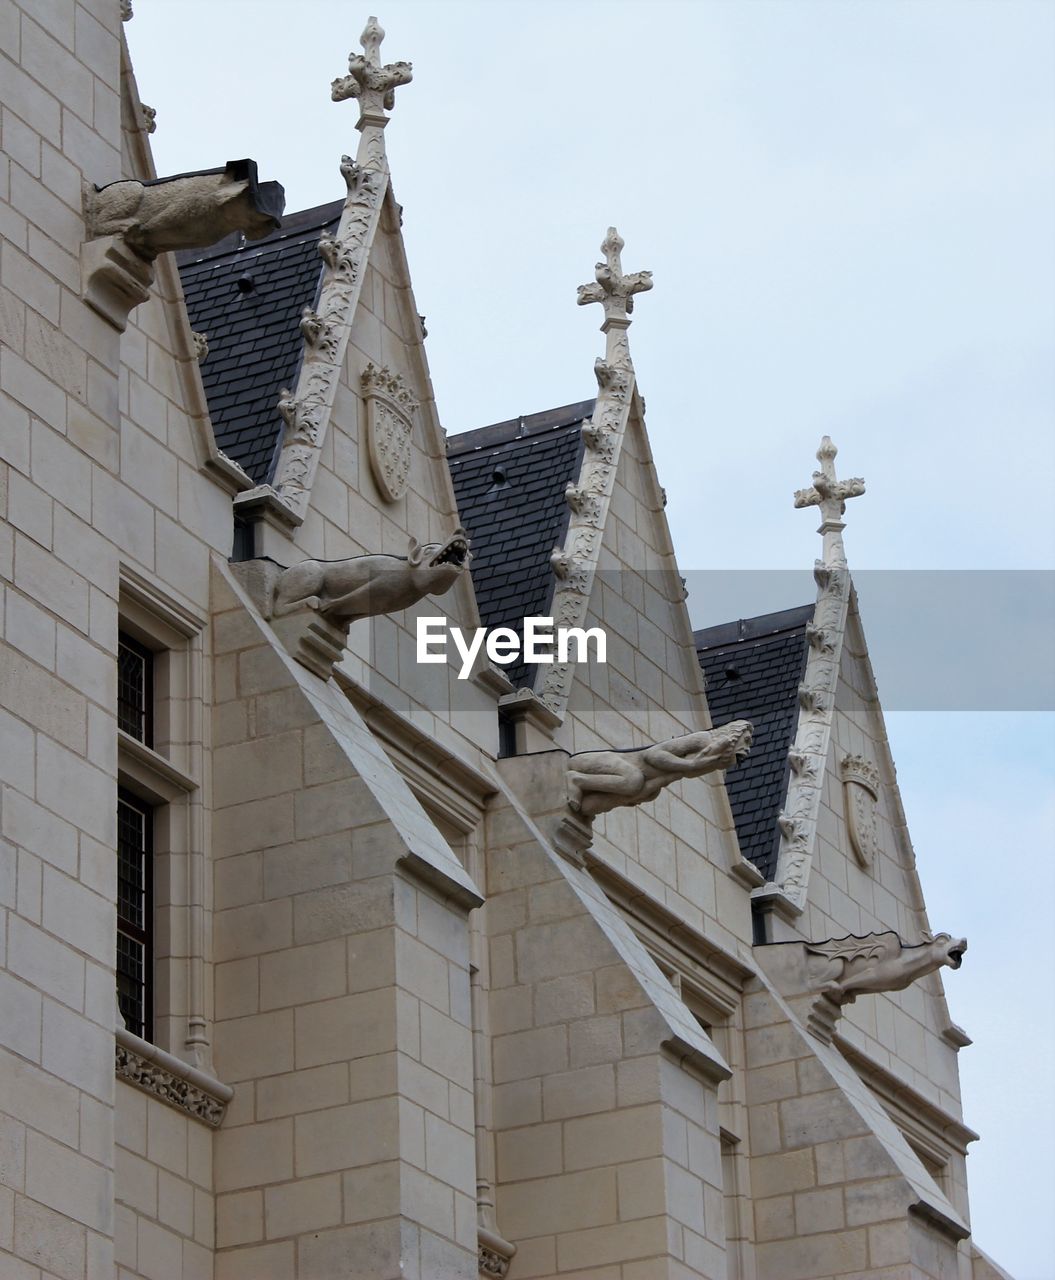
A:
(135, 853)
(135, 689)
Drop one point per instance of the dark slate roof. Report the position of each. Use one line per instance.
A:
(753, 669)
(254, 340)
(509, 480)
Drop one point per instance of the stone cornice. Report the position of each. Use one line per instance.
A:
(917, 1116)
(170, 1079)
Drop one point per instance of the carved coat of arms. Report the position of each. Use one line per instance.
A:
(390, 410)
(861, 791)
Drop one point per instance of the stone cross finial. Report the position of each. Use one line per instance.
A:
(615, 292)
(830, 494)
(373, 84)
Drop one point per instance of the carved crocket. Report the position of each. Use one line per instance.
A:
(364, 586)
(602, 780)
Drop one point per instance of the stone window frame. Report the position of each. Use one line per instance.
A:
(166, 775)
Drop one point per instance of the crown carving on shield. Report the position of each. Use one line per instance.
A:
(384, 382)
(858, 769)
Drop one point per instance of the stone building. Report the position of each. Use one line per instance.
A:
(321, 960)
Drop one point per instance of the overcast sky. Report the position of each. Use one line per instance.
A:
(848, 207)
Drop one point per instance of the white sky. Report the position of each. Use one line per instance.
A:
(848, 208)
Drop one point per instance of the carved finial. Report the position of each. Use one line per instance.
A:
(374, 85)
(615, 292)
(830, 494)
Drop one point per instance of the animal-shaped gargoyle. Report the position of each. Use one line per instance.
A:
(188, 211)
(364, 586)
(880, 962)
(602, 780)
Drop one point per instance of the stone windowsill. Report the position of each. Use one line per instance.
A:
(168, 1078)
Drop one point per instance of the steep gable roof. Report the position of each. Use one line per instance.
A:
(509, 481)
(247, 300)
(753, 669)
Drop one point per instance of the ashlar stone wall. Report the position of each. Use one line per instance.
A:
(608, 1153)
(342, 989)
(680, 847)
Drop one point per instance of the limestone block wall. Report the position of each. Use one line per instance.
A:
(607, 1150)
(678, 848)
(342, 1000)
(349, 516)
(165, 1211)
(59, 119)
(836, 1190)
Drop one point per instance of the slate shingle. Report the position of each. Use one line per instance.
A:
(254, 337)
(509, 480)
(753, 669)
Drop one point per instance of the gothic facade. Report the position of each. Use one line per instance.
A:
(323, 960)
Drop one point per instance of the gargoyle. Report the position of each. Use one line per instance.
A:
(881, 962)
(602, 780)
(187, 211)
(364, 586)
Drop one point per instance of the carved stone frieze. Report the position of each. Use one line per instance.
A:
(390, 410)
(816, 694)
(154, 1078)
(495, 1254)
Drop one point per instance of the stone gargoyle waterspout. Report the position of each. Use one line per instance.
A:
(128, 223)
(187, 211)
(878, 962)
(342, 591)
(602, 780)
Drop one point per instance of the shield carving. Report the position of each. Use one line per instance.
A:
(861, 790)
(390, 410)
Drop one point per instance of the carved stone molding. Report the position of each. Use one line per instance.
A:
(861, 795)
(495, 1254)
(797, 822)
(588, 499)
(306, 408)
(156, 1072)
(390, 410)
